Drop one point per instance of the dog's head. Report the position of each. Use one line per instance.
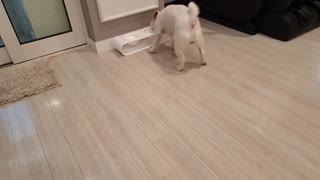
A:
(154, 18)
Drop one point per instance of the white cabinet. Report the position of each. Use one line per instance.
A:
(114, 9)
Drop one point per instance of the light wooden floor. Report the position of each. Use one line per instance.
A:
(252, 113)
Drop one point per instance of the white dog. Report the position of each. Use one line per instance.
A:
(182, 24)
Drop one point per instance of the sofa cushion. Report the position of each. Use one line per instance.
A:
(277, 5)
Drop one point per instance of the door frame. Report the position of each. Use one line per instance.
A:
(20, 53)
(4, 56)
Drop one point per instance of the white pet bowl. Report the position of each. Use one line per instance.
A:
(134, 41)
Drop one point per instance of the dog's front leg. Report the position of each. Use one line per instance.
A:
(156, 43)
(200, 45)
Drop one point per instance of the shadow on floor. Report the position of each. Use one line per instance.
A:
(166, 60)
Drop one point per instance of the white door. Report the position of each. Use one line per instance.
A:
(34, 28)
(4, 56)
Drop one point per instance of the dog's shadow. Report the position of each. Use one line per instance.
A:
(166, 60)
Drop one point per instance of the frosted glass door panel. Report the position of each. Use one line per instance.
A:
(34, 20)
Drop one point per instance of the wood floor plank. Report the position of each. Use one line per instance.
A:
(9, 166)
(91, 161)
(185, 163)
(144, 120)
(172, 176)
(308, 113)
(300, 113)
(282, 88)
(281, 115)
(254, 113)
(257, 160)
(173, 122)
(251, 113)
(242, 153)
(180, 105)
(107, 139)
(272, 67)
(61, 160)
(144, 152)
(32, 159)
(196, 91)
(274, 106)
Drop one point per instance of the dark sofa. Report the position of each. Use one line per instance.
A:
(237, 14)
(280, 19)
(287, 19)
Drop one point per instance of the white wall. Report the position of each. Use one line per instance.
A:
(114, 9)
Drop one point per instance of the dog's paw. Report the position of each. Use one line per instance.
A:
(151, 51)
(173, 53)
(204, 63)
(179, 67)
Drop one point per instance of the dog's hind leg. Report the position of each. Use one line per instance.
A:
(172, 43)
(181, 59)
(180, 42)
(202, 55)
(200, 45)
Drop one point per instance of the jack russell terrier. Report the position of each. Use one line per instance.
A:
(182, 24)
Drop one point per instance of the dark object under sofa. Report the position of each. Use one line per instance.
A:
(280, 19)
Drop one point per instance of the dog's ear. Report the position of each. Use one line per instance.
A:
(154, 18)
(155, 15)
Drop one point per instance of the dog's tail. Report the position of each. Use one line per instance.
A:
(194, 12)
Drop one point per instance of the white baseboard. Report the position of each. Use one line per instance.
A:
(100, 46)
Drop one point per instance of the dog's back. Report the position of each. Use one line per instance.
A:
(180, 19)
(175, 17)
